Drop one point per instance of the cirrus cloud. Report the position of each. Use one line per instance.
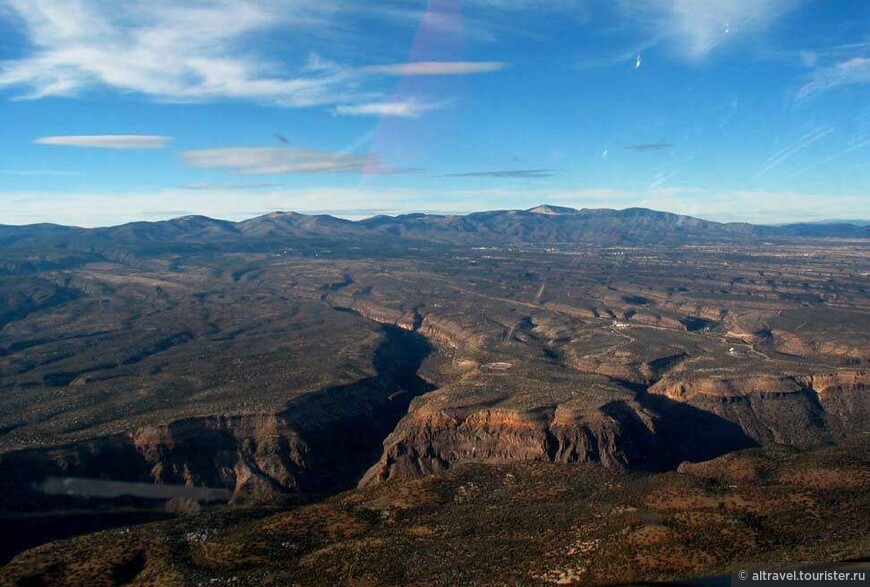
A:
(395, 108)
(178, 52)
(196, 52)
(285, 160)
(107, 141)
(854, 71)
(695, 28)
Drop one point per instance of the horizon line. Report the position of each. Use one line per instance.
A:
(361, 214)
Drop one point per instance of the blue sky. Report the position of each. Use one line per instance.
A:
(755, 110)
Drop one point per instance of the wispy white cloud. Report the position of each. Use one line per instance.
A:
(817, 56)
(164, 49)
(194, 52)
(863, 142)
(397, 108)
(695, 28)
(434, 68)
(854, 71)
(474, 20)
(804, 141)
(107, 141)
(284, 160)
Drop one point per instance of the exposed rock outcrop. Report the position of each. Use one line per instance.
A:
(796, 410)
(649, 433)
(322, 442)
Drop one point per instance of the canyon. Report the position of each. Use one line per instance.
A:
(291, 361)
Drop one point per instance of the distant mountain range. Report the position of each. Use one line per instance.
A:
(855, 221)
(543, 224)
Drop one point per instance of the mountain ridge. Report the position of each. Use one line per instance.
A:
(543, 224)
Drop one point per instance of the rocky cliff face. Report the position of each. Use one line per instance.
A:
(670, 423)
(258, 458)
(649, 433)
(320, 443)
(430, 440)
(254, 457)
(796, 410)
(325, 441)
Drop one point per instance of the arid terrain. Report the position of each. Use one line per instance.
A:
(521, 523)
(525, 397)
